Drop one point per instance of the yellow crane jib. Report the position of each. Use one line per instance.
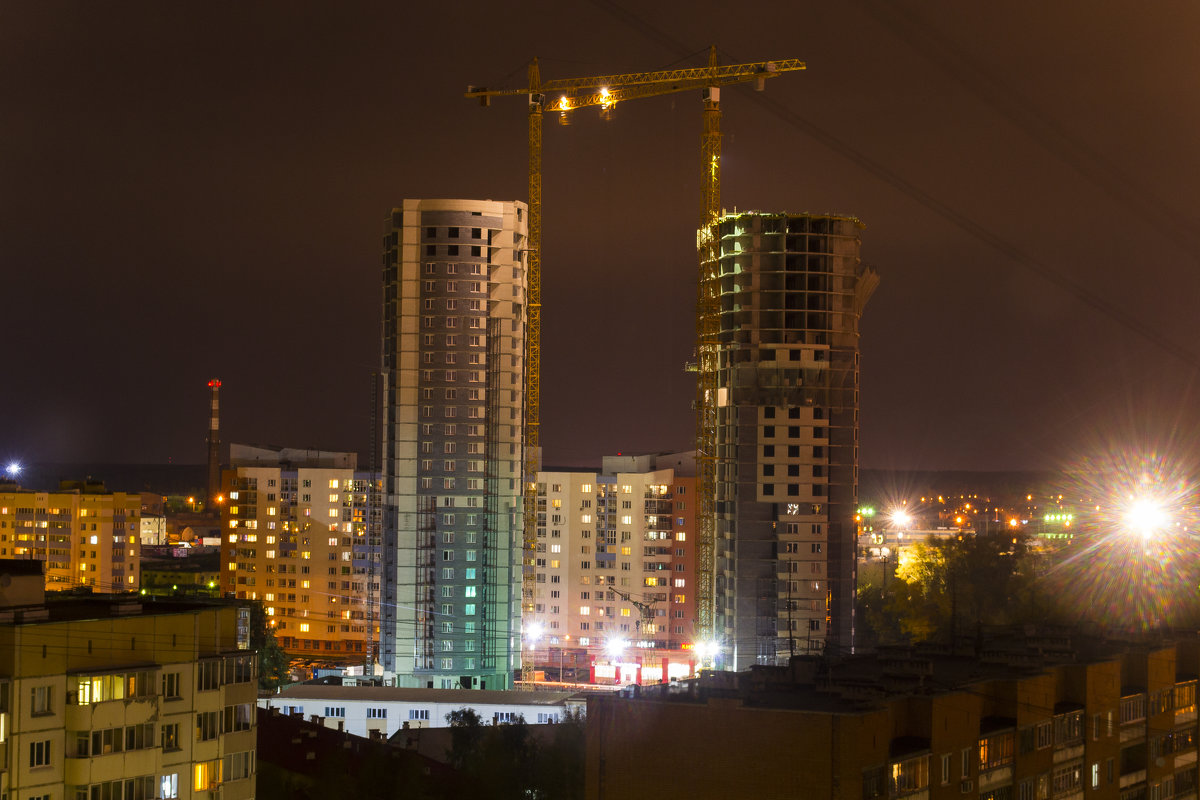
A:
(604, 92)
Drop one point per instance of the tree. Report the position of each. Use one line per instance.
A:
(559, 766)
(945, 588)
(272, 661)
(466, 735)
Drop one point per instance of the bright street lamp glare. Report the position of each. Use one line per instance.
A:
(13, 469)
(901, 518)
(534, 632)
(616, 646)
(1145, 516)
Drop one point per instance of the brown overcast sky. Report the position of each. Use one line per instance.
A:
(192, 190)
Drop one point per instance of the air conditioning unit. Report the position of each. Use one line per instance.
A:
(967, 787)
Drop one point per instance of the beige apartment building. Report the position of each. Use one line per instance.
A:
(301, 534)
(113, 699)
(83, 534)
(614, 598)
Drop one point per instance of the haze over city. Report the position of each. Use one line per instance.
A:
(197, 192)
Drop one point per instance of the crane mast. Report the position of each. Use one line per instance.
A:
(605, 91)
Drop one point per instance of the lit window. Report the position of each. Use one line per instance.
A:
(333, 484)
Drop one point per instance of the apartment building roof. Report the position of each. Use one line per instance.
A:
(309, 691)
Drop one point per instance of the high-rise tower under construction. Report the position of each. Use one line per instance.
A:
(792, 292)
(454, 319)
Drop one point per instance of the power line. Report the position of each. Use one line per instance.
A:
(1055, 277)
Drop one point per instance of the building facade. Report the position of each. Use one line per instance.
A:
(302, 535)
(112, 698)
(83, 534)
(615, 569)
(362, 710)
(1042, 724)
(454, 319)
(792, 292)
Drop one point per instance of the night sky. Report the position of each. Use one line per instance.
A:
(194, 190)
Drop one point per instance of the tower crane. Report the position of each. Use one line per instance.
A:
(604, 92)
(645, 608)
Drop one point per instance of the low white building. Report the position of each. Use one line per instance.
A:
(363, 709)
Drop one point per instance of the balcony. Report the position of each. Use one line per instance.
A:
(994, 778)
(1133, 778)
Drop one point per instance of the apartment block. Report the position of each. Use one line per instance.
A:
(386, 710)
(454, 319)
(1046, 719)
(792, 292)
(301, 533)
(615, 571)
(113, 699)
(83, 534)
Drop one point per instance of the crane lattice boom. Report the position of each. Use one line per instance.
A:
(604, 91)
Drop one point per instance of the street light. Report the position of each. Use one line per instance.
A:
(1146, 516)
(615, 647)
(533, 632)
(707, 649)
